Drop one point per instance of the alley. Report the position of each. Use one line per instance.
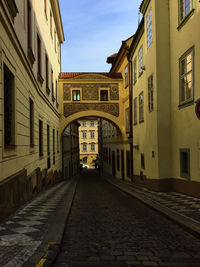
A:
(109, 228)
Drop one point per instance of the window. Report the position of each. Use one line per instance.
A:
(186, 77)
(57, 142)
(76, 95)
(84, 135)
(54, 159)
(135, 110)
(149, 28)
(150, 93)
(92, 123)
(51, 24)
(83, 123)
(92, 135)
(52, 86)
(57, 93)
(135, 70)
(142, 161)
(31, 110)
(55, 43)
(185, 163)
(48, 147)
(40, 138)
(140, 60)
(47, 75)
(84, 147)
(84, 159)
(39, 53)
(29, 24)
(185, 8)
(127, 120)
(141, 107)
(104, 95)
(92, 147)
(9, 108)
(126, 76)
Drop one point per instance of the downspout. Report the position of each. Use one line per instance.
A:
(131, 115)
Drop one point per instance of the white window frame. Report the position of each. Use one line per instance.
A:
(140, 60)
(149, 27)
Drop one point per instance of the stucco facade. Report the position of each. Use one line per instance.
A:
(30, 39)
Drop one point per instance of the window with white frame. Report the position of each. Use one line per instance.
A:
(84, 147)
(135, 110)
(84, 135)
(150, 93)
(141, 107)
(92, 135)
(149, 27)
(186, 77)
(92, 147)
(185, 8)
(140, 60)
(83, 123)
(135, 69)
(92, 123)
(126, 76)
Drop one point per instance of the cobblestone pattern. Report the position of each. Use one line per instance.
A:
(109, 228)
(23, 232)
(182, 204)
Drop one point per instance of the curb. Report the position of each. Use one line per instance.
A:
(53, 248)
(187, 223)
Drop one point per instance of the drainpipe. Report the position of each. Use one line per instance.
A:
(131, 114)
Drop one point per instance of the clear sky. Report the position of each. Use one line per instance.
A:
(94, 30)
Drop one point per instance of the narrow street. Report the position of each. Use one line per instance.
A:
(107, 227)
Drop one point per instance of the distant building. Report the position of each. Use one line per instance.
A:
(88, 140)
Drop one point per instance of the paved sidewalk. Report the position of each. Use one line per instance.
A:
(181, 208)
(25, 235)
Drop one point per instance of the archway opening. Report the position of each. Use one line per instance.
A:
(83, 141)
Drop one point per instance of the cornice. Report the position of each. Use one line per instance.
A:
(144, 5)
(58, 20)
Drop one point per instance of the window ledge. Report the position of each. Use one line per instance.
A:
(40, 79)
(186, 104)
(185, 19)
(135, 123)
(140, 74)
(141, 121)
(9, 147)
(31, 55)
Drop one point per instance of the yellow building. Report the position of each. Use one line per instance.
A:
(88, 141)
(30, 152)
(117, 151)
(164, 57)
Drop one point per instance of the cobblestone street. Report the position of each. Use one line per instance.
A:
(107, 227)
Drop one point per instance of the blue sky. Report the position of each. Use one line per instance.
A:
(94, 29)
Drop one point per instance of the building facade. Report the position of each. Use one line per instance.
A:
(117, 150)
(164, 56)
(88, 141)
(30, 151)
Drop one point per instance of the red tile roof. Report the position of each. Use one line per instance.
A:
(111, 58)
(68, 75)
